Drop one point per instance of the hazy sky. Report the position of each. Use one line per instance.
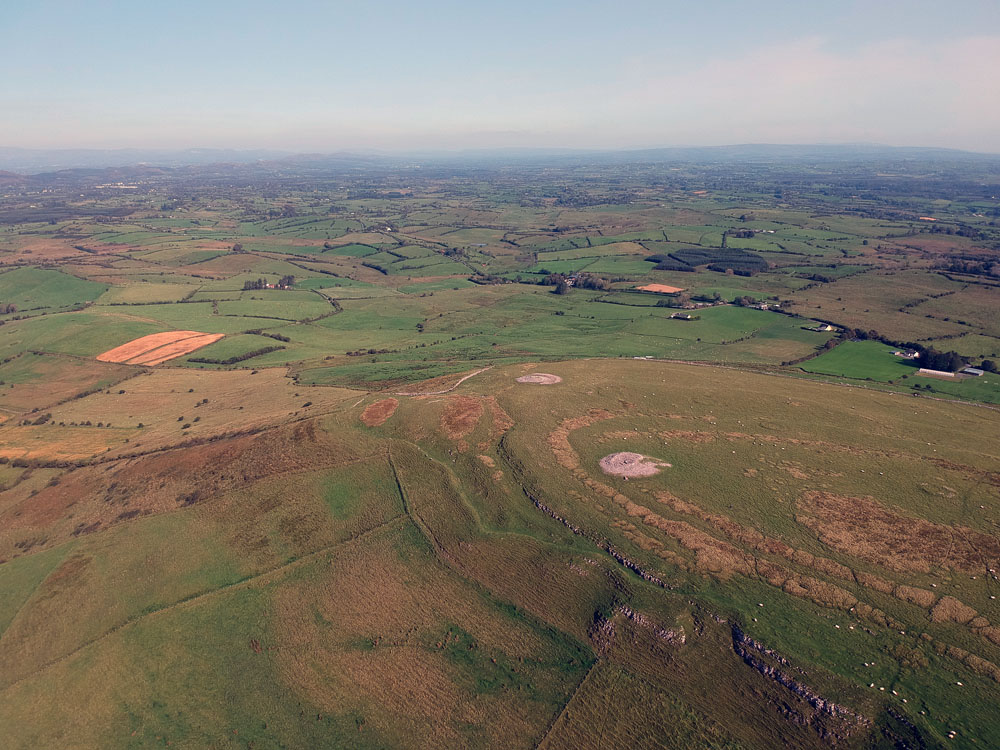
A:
(349, 74)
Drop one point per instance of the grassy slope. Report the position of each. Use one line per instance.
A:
(32, 288)
(465, 614)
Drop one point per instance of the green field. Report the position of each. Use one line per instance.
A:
(863, 360)
(36, 288)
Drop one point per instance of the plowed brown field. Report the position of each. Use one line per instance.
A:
(159, 347)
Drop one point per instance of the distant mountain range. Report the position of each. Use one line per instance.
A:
(15, 162)
(33, 161)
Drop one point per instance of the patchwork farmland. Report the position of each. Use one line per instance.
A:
(583, 456)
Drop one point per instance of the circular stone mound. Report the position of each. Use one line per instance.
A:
(541, 378)
(631, 465)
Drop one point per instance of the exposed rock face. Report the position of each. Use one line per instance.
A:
(752, 651)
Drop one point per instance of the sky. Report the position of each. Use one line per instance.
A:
(447, 74)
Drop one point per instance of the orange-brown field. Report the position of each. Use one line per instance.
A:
(159, 347)
(660, 288)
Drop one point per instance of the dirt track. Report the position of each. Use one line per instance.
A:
(446, 390)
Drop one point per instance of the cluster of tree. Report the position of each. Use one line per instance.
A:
(364, 352)
(957, 231)
(376, 267)
(818, 277)
(746, 301)
(669, 264)
(740, 262)
(558, 281)
(287, 211)
(932, 359)
(582, 281)
(680, 301)
(590, 281)
(40, 420)
(283, 283)
(487, 279)
(260, 332)
(237, 358)
(736, 270)
(859, 334)
(743, 234)
(989, 268)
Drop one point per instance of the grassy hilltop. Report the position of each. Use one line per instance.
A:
(347, 523)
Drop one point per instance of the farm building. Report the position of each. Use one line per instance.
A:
(936, 373)
(973, 371)
(906, 353)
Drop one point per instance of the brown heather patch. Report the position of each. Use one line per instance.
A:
(970, 472)
(502, 421)
(559, 438)
(67, 576)
(874, 582)
(460, 416)
(758, 541)
(795, 471)
(723, 559)
(377, 413)
(97, 497)
(488, 461)
(920, 597)
(983, 667)
(864, 528)
(950, 609)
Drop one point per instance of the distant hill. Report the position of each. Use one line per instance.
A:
(10, 178)
(34, 161)
(38, 161)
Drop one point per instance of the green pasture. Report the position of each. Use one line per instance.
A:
(862, 360)
(34, 288)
